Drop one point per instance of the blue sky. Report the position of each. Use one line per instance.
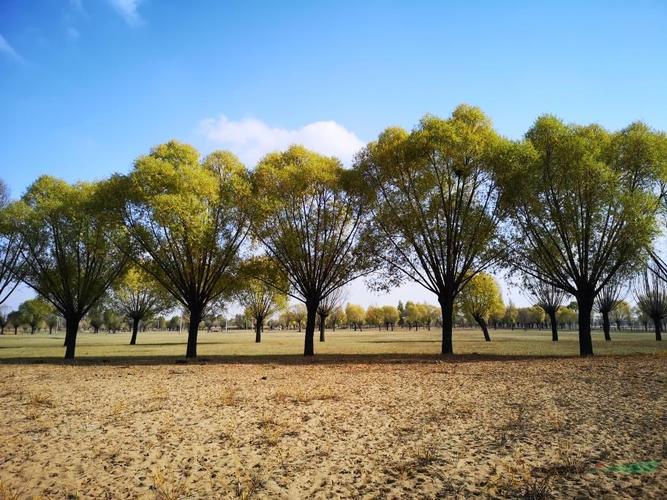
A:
(86, 86)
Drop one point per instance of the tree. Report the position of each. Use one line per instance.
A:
(549, 298)
(327, 306)
(4, 320)
(511, 315)
(189, 219)
(651, 297)
(10, 248)
(583, 204)
(137, 296)
(34, 312)
(74, 246)
(14, 320)
(374, 316)
(390, 316)
(606, 301)
(95, 316)
(52, 322)
(337, 317)
(622, 312)
(355, 316)
(112, 320)
(435, 217)
(309, 212)
(261, 295)
(174, 323)
(566, 316)
(413, 314)
(480, 298)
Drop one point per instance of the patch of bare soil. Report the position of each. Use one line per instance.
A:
(521, 428)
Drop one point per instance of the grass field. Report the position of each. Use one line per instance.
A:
(373, 415)
(164, 346)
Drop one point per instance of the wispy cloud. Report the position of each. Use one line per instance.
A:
(8, 50)
(129, 10)
(251, 138)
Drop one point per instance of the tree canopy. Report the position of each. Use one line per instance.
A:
(189, 219)
(583, 202)
(435, 214)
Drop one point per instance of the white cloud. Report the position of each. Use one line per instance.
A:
(128, 9)
(8, 50)
(251, 138)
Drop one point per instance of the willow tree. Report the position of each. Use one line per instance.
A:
(138, 297)
(309, 216)
(189, 221)
(606, 301)
(74, 245)
(583, 203)
(10, 248)
(260, 294)
(549, 298)
(435, 212)
(651, 297)
(481, 299)
(327, 306)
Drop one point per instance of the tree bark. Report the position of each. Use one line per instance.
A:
(71, 329)
(554, 326)
(447, 311)
(193, 331)
(658, 329)
(135, 329)
(309, 347)
(322, 320)
(585, 303)
(258, 329)
(485, 330)
(606, 326)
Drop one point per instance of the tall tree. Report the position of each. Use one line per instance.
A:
(583, 206)
(10, 248)
(188, 218)
(34, 312)
(327, 306)
(309, 215)
(622, 312)
(355, 316)
(549, 298)
(435, 214)
(606, 301)
(139, 297)
(261, 294)
(481, 298)
(14, 320)
(651, 297)
(390, 316)
(74, 245)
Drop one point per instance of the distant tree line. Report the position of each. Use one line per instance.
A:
(569, 210)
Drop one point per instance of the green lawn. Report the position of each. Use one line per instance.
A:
(165, 346)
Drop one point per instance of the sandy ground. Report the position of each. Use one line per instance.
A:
(430, 429)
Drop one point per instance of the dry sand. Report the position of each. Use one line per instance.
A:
(431, 429)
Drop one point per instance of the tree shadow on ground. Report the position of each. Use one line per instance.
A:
(285, 359)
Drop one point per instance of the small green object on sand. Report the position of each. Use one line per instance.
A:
(635, 468)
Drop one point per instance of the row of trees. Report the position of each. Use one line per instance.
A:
(571, 207)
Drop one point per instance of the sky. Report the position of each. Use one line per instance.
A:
(86, 86)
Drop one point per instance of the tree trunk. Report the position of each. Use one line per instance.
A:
(258, 329)
(606, 326)
(447, 311)
(322, 320)
(554, 326)
(309, 347)
(485, 330)
(585, 303)
(16, 329)
(193, 330)
(135, 329)
(658, 329)
(71, 329)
